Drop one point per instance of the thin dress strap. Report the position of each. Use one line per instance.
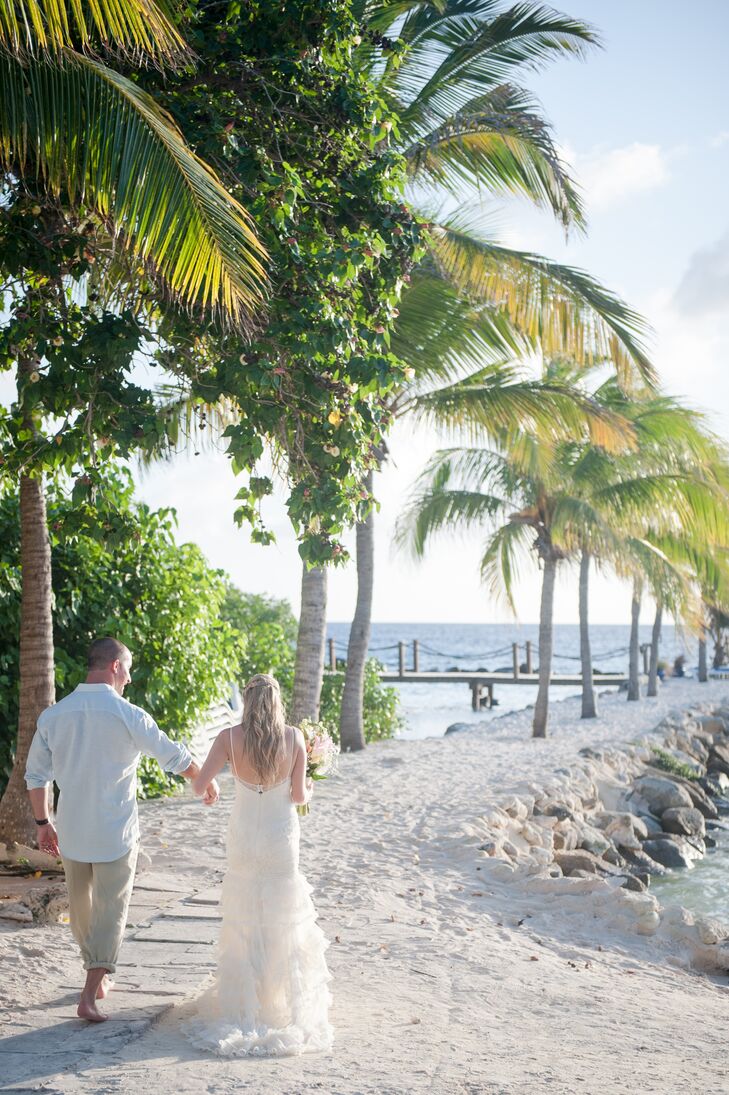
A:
(232, 754)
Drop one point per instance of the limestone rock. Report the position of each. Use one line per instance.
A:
(652, 825)
(456, 727)
(661, 794)
(48, 904)
(565, 836)
(719, 758)
(715, 783)
(15, 910)
(672, 851)
(556, 809)
(633, 882)
(700, 799)
(580, 860)
(592, 840)
(684, 821)
(712, 724)
(612, 855)
(643, 863)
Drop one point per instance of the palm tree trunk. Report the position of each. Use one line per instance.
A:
(655, 639)
(589, 708)
(351, 725)
(703, 673)
(36, 671)
(310, 641)
(541, 707)
(634, 668)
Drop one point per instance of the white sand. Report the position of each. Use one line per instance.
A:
(448, 978)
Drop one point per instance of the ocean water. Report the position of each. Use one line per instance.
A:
(428, 709)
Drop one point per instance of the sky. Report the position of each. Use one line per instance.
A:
(644, 123)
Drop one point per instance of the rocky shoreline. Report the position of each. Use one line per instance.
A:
(608, 824)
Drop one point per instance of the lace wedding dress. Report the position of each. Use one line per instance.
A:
(270, 995)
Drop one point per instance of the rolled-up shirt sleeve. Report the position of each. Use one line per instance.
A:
(171, 755)
(39, 766)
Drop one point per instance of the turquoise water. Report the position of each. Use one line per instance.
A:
(429, 709)
(705, 887)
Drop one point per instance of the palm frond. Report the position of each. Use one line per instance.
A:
(560, 309)
(501, 142)
(501, 558)
(495, 400)
(79, 127)
(461, 49)
(440, 334)
(42, 29)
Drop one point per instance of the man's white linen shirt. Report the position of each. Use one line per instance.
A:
(90, 742)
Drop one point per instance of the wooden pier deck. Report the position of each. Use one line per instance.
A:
(480, 679)
(477, 682)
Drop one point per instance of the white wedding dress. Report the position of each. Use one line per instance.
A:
(270, 995)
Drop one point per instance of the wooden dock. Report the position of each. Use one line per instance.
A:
(477, 682)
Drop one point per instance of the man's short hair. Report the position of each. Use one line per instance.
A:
(103, 652)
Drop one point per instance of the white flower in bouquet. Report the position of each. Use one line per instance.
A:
(321, 753)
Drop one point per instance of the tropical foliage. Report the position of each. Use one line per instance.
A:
(304, 139)
(117, 570)
(648, 501)
(90, 139)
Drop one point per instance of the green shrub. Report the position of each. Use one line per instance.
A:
(381, 704)
(160, 598)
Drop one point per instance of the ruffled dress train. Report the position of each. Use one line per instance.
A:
(270, 994)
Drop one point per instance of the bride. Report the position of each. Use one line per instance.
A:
(270, 994)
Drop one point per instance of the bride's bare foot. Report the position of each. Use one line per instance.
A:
(104, 988)
(88, 1010)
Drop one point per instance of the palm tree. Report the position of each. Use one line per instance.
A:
(644, 511)
(93, 142)
(462, 124)
(515, 491)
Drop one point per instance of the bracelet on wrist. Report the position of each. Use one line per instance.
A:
(42, 821)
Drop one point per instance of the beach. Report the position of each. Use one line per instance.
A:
(452, 973)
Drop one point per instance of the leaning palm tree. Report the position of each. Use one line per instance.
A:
(464, 125)
(514, 492)
(92, 142)
(672, 483)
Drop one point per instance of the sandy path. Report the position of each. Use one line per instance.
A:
(445, 980)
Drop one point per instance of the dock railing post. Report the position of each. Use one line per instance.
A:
(416, 656)
(332, 655)
(529, 656)
(401, 659)
(515, 654)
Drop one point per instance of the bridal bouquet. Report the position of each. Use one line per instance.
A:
(321, 754)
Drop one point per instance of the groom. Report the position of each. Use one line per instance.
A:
(90, 742)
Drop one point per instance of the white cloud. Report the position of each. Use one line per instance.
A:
(704, 287)
(610, 176)
(720, 139)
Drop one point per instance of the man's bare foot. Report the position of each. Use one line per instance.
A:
(90, 1011)
(105, 987)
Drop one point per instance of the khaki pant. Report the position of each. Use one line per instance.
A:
(98, 898)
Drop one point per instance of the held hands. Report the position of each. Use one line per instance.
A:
(211, 793)
(48, 840)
